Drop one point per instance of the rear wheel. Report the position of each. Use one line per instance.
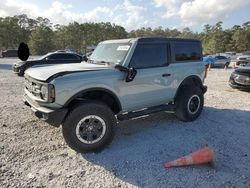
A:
(189, 103)
(89, 126)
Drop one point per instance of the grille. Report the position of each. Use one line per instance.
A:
(33, 88)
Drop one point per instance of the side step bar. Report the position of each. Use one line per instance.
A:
(151, 110)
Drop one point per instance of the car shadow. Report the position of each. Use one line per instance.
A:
(141, 146)
(5, 66)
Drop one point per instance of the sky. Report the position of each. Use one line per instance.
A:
(134, 14)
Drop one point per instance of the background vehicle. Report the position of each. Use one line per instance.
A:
(246, 53)
(122, 79)
(67, 50)
(243, 60)
(230, 53)
(48, 59)
(9, 53)
(240, 78)
(221, 61)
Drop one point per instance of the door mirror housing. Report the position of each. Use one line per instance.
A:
(130, 72)
(121, 68)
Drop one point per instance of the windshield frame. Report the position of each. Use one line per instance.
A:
(111, 63)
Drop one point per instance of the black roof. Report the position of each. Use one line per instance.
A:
(164, 39)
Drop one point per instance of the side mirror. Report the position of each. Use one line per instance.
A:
(131, 72)
(84, 58)
(121, 68)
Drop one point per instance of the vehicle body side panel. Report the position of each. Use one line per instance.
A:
(149, 88)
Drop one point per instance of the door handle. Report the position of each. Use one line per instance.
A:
(166, 75)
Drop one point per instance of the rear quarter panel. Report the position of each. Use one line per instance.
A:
(184, 70)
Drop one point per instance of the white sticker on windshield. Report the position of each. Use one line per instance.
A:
(123, 48)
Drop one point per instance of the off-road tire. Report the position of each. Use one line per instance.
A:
(183, 99)
(78, 113)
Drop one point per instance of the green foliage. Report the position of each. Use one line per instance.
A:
(216, 40)
(9, 32)
(42, 36)
(42, 40)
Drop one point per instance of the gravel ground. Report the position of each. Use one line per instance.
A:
(34, 154)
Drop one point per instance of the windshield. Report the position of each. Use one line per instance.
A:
(110, 53)
(44, 56)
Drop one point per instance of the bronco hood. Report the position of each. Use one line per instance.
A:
(44, 73)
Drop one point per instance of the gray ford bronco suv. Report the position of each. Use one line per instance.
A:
(122, 79)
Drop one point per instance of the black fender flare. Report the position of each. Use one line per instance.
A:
(189, 81)
(95, 89)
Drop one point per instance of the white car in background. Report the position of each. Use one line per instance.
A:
(233, 55)
(243, 60)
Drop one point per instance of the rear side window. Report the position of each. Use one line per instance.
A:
(221, 57)
(62, 56)
(55, 57)
(70, 56)
(187, 51)
(149, 55)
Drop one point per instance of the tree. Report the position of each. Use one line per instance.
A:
(43, 36)
(42, 41)
(240, 38)
(187, 33)
(10, 35)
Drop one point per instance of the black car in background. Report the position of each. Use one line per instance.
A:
(48, 59)
(240, 78)
(9, 53)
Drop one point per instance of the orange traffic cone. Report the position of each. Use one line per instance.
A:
(206, 68)
(225, 67)
(234, 65)
(204, 155)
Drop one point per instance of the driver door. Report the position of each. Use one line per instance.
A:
(152, 84)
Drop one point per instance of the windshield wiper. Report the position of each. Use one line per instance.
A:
(104, 62)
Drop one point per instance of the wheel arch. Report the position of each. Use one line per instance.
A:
(190, 81)
(100, 94)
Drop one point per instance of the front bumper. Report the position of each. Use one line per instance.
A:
(15, 69)
(53, 117)
(242, 63)
(235, 85)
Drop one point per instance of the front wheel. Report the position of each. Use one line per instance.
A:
(189, 103)
(89, 126)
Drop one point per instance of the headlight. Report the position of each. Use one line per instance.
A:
(44, 93)
(19, 64)
(247, 79)
(48, 93)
